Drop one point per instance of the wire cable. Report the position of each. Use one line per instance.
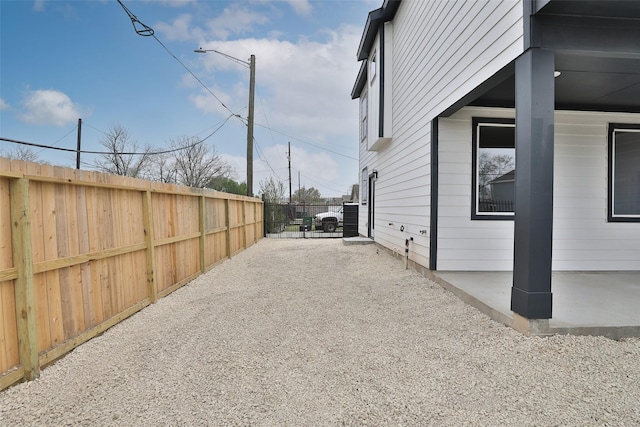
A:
(65, 135)
(305, 142)
(148, 31)
(143, 30)
(133, 153)
(319, 183)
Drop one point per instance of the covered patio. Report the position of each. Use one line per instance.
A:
(584, 303)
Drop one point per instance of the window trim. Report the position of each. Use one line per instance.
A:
(611, 217)
(364, 180)
(373, 67)
(364, 118)
(476, 122)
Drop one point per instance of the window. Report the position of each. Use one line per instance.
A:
(624, 172)
(372, 67)
(363, 117)
(363, 186)
(494, 168)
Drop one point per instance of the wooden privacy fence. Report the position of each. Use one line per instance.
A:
(81, 251)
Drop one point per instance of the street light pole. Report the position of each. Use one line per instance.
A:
(252, 88)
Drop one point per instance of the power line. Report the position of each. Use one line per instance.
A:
(132, 153)
(305, 142)
(66, 135)
(319, 183)
(148, 31)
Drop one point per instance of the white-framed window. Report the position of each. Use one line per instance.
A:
(373, 66)
(494, 168)
(363, 186)
(624, 172)
(363, 117)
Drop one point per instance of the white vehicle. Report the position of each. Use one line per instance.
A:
(329, 221)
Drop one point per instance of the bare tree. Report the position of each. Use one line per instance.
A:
(23, 153)
(491, 167)
(162, 168)
(118, 142)
(272, 191)
(195, 164)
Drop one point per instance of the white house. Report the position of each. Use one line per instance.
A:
(456, 94)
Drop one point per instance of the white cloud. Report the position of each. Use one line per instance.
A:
(49, 107)
(301, 7)
(303, 85)
(234, 19)
(303, 89)
(179, 29)
(3, 105)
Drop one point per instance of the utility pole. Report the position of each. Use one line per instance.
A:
(79, 142)
(252, 88)
(289, 158)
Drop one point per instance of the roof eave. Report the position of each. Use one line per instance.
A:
(376, 17)
(361, 80)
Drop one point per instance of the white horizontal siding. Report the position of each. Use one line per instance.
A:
(583, 239)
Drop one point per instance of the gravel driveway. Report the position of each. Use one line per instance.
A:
(313, 332)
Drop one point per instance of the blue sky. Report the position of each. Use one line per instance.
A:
(63, 60)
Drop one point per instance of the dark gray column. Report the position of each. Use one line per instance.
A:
(531, 292)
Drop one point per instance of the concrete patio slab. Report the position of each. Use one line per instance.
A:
(584, 303)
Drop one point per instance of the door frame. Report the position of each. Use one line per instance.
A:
(371, 204)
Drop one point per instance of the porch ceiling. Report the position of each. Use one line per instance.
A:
(596, 50)
(591, 83)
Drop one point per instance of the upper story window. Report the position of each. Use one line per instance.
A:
(363, 117)
(494, 168)
(373, 66)
(624, 172)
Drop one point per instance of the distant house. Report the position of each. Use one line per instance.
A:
(503, 191)
(445, 85)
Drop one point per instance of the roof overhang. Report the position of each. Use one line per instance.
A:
(375, 18)
(597, 52)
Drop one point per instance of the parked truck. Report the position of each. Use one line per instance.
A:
(329, 221)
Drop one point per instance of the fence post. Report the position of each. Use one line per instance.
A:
(24, 288)
(152, 288)
(203, 234)
(228, 219)
(255, 222)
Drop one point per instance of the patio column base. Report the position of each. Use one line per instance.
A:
(532, 305)
(530, 326)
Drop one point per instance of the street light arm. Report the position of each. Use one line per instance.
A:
(251, 64)
(233, 58)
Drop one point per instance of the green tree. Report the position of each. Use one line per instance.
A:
(307, 195)
(227, 185)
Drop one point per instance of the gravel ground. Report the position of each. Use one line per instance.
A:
(313, 332)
